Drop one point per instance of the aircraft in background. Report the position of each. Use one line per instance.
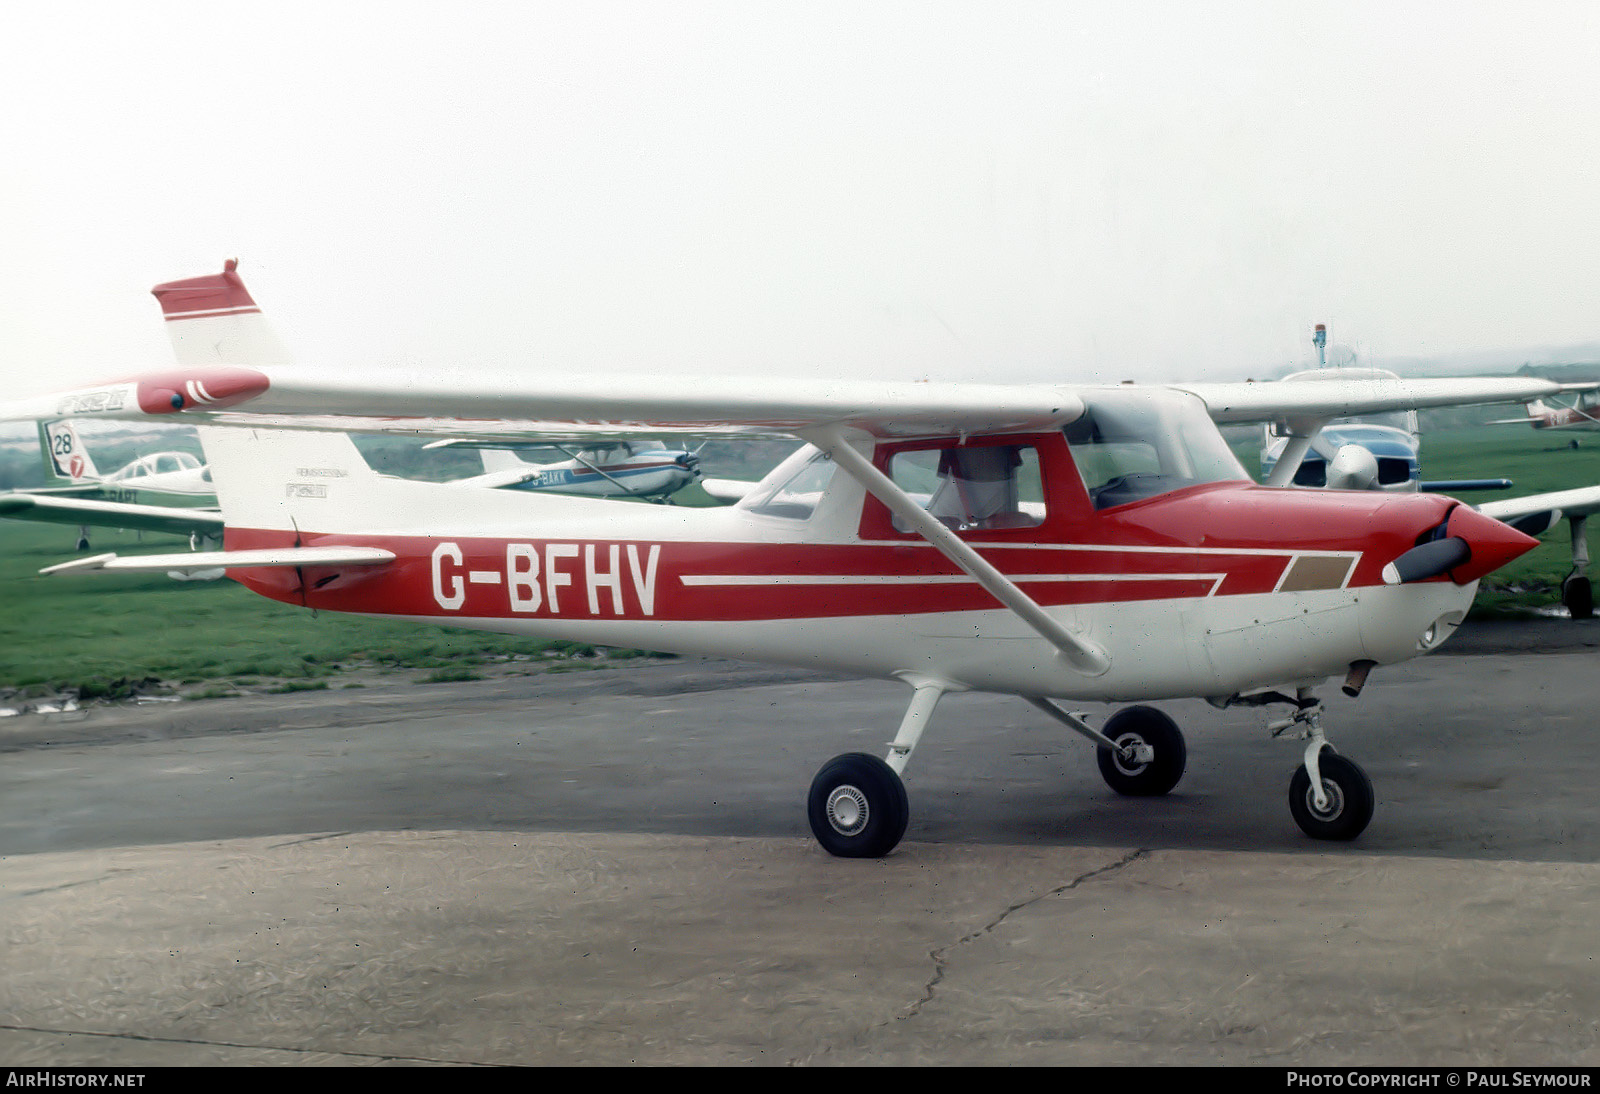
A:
(161, 492)
(606, 469)
(1375, 452)
(1384, 453)
(1583, 414)
(1052, 542)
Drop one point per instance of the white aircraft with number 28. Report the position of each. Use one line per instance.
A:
(1053, 542)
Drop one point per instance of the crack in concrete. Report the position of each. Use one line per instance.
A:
(940, 957)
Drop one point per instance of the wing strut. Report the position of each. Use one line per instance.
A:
(1082, 655)
(628, 492)
(1302, 434)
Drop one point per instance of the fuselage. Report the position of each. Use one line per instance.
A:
(161, 478)
(648, 473)
(1210, 588)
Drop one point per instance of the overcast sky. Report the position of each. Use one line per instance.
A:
(995, 191)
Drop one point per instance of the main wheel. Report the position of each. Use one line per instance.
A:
(1350, 799)
(1126, 773)
(1578, 596)
(857, 806)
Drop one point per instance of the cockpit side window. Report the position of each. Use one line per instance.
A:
(973, 487)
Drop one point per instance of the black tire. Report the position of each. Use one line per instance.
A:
(858, 807)
(1578, 596)
(1146, 725)
(1350, 800)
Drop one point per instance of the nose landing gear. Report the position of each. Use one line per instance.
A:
(1330, 797)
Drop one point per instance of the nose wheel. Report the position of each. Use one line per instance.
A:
(1347, 799)
(1330, 797)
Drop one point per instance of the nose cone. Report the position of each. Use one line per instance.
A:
(1353, 467)
(1492, 544)
(199, 389)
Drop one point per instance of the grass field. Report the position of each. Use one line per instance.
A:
(102, 634)
(109, 634)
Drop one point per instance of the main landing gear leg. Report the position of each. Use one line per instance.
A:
(857, 805)
(1576, 592)
(1330, 797)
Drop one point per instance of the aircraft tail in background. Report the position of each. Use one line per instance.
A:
(66, 461)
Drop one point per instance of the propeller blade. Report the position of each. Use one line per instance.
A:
(1427, 560)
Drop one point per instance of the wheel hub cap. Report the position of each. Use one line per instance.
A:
(1126, 756)
(1335, 804)
(847, 810)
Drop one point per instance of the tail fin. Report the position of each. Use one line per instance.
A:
(502, 459)
(212, 320)
(66, 460)
(289, 480)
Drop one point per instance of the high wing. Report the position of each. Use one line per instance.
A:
(1322, 400)
(110, 514)
(503, 408)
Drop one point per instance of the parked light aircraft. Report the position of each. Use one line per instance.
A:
(1375, 452)
(1385, 453)
(608, 469)
(1075, 542)
(159, 492)
(1582, 414)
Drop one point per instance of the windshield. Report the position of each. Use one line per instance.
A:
(1134, 443)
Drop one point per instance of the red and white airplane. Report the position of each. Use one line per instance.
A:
(1053, 542)
(1582, 414)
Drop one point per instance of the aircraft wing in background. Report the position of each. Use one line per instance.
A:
(56, 509)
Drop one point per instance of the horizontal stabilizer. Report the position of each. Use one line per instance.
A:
(205, 560)
(1457, 486)
(728, 490)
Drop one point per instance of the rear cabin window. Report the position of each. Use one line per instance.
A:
(973, 487)
(796, 497)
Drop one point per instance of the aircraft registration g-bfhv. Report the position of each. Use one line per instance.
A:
(1052, 542)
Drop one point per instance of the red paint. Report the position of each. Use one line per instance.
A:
(223, 292)
(199, 388)
(1220, 540)
(1493, 544)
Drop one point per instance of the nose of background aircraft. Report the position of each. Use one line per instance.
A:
(1467, 546)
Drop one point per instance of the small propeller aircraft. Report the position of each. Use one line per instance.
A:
(1582, 414)
(609, 469)
(1385, 453)
(1377, 452)
(1059, 543)
(159, 492)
